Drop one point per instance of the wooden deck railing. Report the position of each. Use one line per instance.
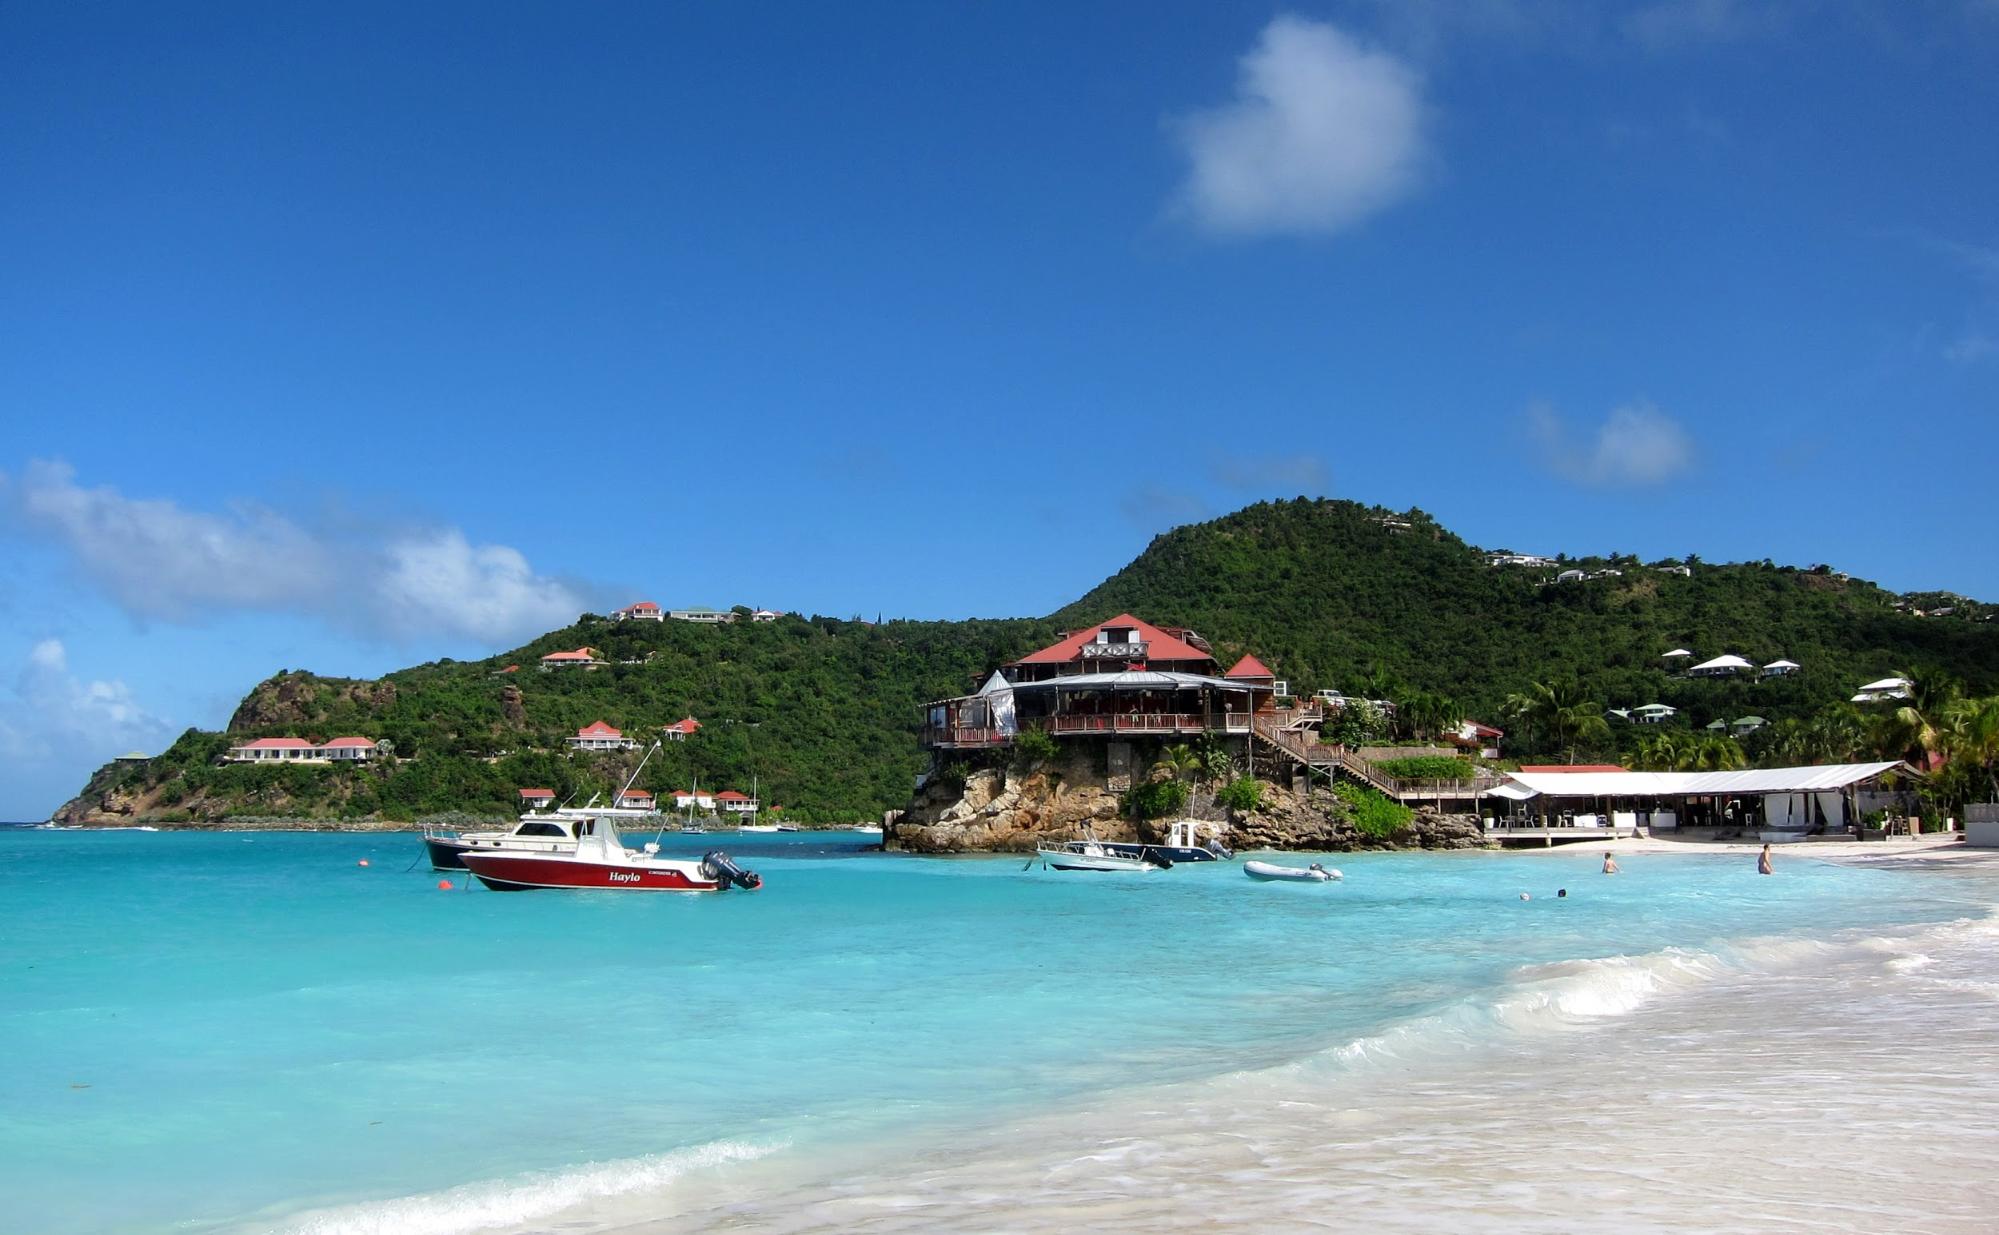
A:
(1143, 722)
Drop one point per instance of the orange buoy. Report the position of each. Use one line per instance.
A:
(444, 885)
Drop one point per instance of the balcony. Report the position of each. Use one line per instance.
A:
(1115, 651)
(1143, 722)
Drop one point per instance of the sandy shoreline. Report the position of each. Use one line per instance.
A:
(1903, 850)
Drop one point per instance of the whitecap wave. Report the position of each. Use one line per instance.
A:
(497, 1204)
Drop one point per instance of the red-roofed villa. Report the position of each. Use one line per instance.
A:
(600, 736)
(583, 658)
(1117, 678)
(299, 750)
(643, 611)
(635, 799)
(537, 799)
(680, 730)
(741, 803)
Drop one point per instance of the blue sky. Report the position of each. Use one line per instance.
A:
(346, 337)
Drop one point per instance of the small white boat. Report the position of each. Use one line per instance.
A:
(1092, 854)
(1271, 872)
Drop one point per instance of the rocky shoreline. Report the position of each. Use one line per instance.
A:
(1006, 810)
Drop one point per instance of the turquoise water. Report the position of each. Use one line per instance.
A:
(256, 1032)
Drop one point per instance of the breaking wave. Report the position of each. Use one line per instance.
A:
(503, 1204)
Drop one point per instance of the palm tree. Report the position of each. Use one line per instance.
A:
(1180, 760)
(1580, 724)
(1537, 710)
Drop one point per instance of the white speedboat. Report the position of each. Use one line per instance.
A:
(1271, 872)
(601, 862)
(1091, 854)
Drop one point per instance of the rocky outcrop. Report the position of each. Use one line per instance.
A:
(296, 700)
(1002, 810)
(512, 708)
(999, 810)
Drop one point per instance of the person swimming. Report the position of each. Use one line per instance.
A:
(1562, 893)
(1609, 863)
(1763, 864)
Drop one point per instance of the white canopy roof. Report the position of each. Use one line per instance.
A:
(1887, 684)
(1507, 789)
(1136, 679)
(1678, 784)
(1725, 662)
(1654, 707)
(1676, 652)
(1783, 664)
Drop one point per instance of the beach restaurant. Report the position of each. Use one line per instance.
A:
(1779, 804)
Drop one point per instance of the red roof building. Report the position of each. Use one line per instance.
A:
(682, 729)
(643, 611)
(299, 750)
(1249, 668)
(600, 736)
(1124, 642)
(584, 657)
(1123, 677)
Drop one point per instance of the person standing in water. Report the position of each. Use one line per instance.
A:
(1609, 863)
(1763, 866)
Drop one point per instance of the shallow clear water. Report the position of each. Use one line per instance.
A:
(261, 1034)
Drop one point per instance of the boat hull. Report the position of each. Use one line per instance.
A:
(1066, 860)
(513, 872)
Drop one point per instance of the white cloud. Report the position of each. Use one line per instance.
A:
(52, 715)
(1637, 444)
(1324, 131)
(160, 561)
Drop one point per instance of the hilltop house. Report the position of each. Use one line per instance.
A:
(298, 750)
(1781, 668)
(713, 617)
(537, 799)
(765, 615)
(1720, 667)
(643, 611)
(600, 736)
(680, 730)
(1472, 735)
(581, 658)
(1118, 678)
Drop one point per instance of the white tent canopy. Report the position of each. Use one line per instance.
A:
(1886, 684)
(1697, 784)
(1676, 652)
(1661, 708)
(1783, 664)
(1507, 789)
(1722, 662)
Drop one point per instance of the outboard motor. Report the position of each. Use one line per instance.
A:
(1220, 850)
(722, 868)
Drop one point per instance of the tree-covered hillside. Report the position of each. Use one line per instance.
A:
(1332, 594)
(825, 713)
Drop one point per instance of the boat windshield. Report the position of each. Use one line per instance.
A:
(541, 828)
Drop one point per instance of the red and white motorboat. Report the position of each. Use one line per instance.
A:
(601, 862)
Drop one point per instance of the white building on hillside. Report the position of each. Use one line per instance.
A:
(298, 750)
(600, 736)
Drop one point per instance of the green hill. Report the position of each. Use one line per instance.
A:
(824, 713)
